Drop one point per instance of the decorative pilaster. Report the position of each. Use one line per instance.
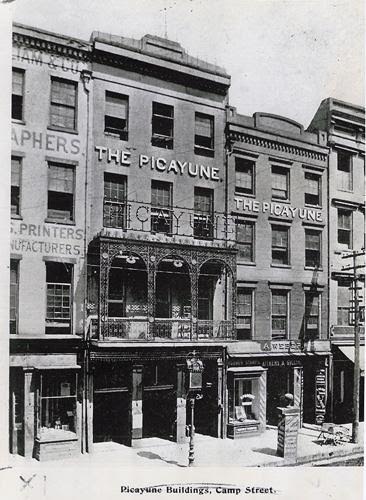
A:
(29, 412)
(181, 404)
(136, 403)
(298, 391)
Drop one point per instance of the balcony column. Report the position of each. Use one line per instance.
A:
(194, 274)
(29, 412)
(181, 404)
(103, 290)
(136, 404)
(151, 284)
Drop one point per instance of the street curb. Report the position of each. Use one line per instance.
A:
(317, 457)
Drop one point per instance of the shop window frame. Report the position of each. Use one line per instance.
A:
(60, 320)
(162, 117)
(16, 189)
(17, 99)
(115, 207)
(120, 129)
(204, 145)
(54, 104)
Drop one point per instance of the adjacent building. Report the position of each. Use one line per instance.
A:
(278, 199)
(47, 266)
(344, 125)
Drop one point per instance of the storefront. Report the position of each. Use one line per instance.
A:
(343, 374)
(142, 393)
(45, 405)
(258, 382)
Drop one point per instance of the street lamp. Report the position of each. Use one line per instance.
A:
(195, 369)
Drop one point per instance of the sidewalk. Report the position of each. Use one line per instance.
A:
(255, 451)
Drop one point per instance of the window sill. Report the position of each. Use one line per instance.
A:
(202, 151)
(282, 266)
(54, 435)
(116, 136)
(56, 221)
(16, 217)
(310, 268)
(245, 263)
(61, 129)
(345, 190)
(248, 195)
(309, 205)
(18, 122)
(280, 200)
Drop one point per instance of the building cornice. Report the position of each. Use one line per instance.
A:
(278, 145)
(76, 50)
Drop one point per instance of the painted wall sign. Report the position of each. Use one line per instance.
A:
(281, 346)
(46, 239)
(320, 395)
(40, 58)
(47, 142)
(277, 209)
(159, 164)
(266, 363)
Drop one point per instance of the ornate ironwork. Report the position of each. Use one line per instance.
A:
(152, 254)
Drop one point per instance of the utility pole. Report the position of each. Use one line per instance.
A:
(356, 368)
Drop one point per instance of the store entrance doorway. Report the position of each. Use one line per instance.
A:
(111, 416)
(280, 380)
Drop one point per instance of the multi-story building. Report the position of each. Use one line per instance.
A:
(278, 198)
(47, 267)
(161, 268)
(344, 124)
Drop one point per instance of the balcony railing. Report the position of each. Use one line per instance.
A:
(175, 329)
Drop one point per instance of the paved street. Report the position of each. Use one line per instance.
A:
(255, 451)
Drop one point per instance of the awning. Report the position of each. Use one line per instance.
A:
(252, 370)
(59, 367)
(349, 352)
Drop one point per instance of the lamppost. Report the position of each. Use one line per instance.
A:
(195, 369)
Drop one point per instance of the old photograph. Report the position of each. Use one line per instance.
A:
(185, 267)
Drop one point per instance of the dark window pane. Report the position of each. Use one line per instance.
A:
(204, 135)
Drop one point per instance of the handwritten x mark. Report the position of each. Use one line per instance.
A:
(27, 482)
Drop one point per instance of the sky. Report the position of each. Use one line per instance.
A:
(284, 57)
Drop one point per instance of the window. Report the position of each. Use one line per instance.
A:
(312, 189)
(162, 125)
(280, 183)
(58, 311)
(60, 192)
(245, 240)
(114, 205)
(312, 314)
(161, 207)
(15, 185)
(244, 176)
(14, 296)
(345, 227)
(116, 115)
(280, 245)
(203, 213)
(279, 314)
(312, 248)
(17, 96)
(244, 313)
(344, 304)
(63, 104)
(204, 135)
(243, 396)
(58, 405)
(205, 297)
(344, 171)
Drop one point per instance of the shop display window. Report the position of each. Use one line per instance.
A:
(243, 401)
(57, 405)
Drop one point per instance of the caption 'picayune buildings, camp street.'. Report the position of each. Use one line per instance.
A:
(150, 220)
